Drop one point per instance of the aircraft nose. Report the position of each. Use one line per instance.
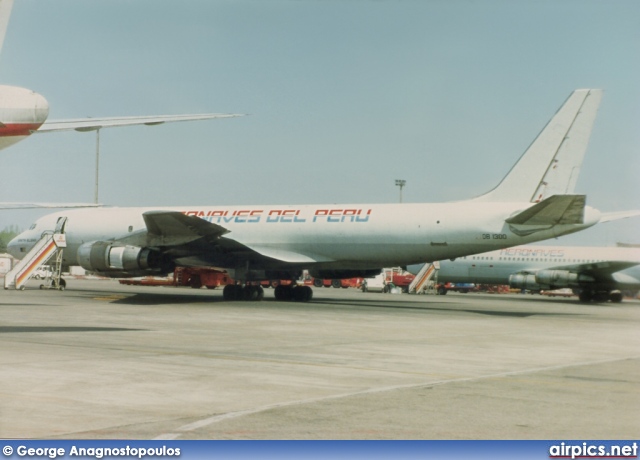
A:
(12, 247)
(20, 245)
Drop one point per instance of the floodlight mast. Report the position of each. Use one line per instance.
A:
(401, 183)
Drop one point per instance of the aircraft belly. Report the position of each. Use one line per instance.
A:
(486, 275)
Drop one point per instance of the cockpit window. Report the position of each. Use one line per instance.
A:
(32, 226)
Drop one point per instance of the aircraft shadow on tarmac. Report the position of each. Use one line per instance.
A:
(22, 329)
(147, 299)
(449, 308)
(163, 299)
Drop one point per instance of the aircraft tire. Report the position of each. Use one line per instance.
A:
(302, 293)
(230, 292)
(283, 292)
(615, 296)
(585, 296)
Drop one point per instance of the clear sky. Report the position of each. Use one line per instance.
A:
(344, 97)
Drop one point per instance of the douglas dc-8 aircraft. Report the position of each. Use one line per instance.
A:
(597, 273)
(535, 201)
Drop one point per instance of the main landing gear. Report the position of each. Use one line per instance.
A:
(293, 292)
(587, 295)
(239, 292)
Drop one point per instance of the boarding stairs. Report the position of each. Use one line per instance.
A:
(50, 244)
(420, 283)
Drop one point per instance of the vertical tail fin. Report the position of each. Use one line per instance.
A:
(551, 164)
(5, 12)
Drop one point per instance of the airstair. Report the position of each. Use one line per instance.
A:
(420, 283)
(50, 244)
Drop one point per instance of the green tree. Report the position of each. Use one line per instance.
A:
(7, 235)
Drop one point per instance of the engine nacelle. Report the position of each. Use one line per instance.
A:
(556, 278)
(115, 260)
(344, 274)
(524, 281)
(545, 279)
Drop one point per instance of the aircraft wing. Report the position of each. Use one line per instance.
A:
(17, 205)
(597, 270)
(174, 231)
(92, 124)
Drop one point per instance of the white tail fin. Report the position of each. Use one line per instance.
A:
(5, 12)
(551, 164)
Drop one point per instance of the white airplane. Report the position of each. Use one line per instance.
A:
(534, 202)
(597, 273)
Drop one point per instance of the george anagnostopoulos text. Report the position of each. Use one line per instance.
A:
(97, 452)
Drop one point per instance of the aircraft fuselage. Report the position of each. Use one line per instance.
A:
(330, 236)
(22, 112)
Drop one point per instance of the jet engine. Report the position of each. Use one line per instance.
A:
(113, 260)
(344, 274)
(545, 279)
(524, 281)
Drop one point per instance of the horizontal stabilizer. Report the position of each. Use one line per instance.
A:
(557, 209)
(609, 216)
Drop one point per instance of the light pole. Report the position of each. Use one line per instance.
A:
(401, 183)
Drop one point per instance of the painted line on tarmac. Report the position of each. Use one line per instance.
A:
(230, 415)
